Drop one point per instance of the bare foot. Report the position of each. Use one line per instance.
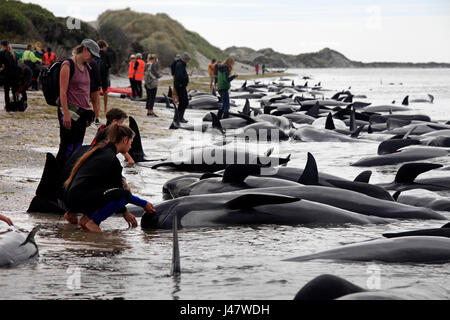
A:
(92, 226)
(71, 217)
(83, 220)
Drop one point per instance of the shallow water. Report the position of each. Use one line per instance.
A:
(234, 262)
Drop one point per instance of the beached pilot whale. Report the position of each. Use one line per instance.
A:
(331, 287)
(18, 247)
(414, 249)
(229, 208)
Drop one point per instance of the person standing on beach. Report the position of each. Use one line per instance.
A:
(48, 58)
(180, 82)
(75, 113)
(8, 67)
(223, 85)
(104, 64)
(139, 68)
(30, 59)
(131, 71)
(257, 68)
(151, 76)
(211, 66)
(263, 69)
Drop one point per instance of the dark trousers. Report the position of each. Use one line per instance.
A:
(151, 95)
(183, 101)
(98, 204)
(225, 97)
(71, 140)
(13, 87)
(134, 92)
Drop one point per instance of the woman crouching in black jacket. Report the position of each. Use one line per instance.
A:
(95, 186)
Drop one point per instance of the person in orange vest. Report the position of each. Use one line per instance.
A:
(49, 58)
(139, 68)
(131, 71)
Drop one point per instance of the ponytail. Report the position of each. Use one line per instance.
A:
(116, 132)
(11, 51)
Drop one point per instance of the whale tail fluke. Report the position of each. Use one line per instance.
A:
(431, 98)
(409, 171)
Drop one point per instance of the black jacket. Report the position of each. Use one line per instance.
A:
(102, 170)
(181, 77)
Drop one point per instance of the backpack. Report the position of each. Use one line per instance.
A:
(50, 81)
(150, 81)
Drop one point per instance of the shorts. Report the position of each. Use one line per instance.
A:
(105, 83)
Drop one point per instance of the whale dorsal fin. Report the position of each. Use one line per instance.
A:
(237, 173)
(405, 101)
(30, 237)
(352, 119)
(409, 171)
(310, 175)
(356, 133)
(313, 111)
(246, 110)
(136, 151)
(176, 118)
(269, 152)
(364, 176)
(445, 226)
(216, 123)
(258, 199)
(330, 123)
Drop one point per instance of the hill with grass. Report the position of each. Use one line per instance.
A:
(129, 32)
(325, 58)
(27, 23)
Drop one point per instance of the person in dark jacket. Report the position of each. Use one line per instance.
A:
(104, 66)
(8, 67)
(172, 66)
(223, 85)
(96, 187)
(180, 82)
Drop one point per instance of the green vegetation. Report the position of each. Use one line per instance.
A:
(28, 23)
(148, 33)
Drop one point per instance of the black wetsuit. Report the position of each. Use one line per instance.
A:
(97, 188)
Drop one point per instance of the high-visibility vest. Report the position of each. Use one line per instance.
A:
(49, 60)
(139, 75)
(131, 69)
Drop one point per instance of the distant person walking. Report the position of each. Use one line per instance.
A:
(104, 64)
(223, 85)
(8, 66)
(139, 67)
(48, 58)
(263, 69)
(211, 67)
(181, 81)
(30, 59)
(257, 68)
(75, 112)
(131, 71)
(151, 76)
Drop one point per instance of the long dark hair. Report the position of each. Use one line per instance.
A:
(116, 132)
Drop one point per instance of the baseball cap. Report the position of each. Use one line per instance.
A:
(93, 47)
(132, 56)
(139, 55)
(177, 56)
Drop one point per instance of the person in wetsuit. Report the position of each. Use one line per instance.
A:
(95, 186)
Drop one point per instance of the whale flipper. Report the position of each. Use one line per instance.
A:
(216, 123)
(30, 237)
(310, 175)
(409, 171)
(259, 199)
(357, 131)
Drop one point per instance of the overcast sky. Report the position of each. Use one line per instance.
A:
(375, 30)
